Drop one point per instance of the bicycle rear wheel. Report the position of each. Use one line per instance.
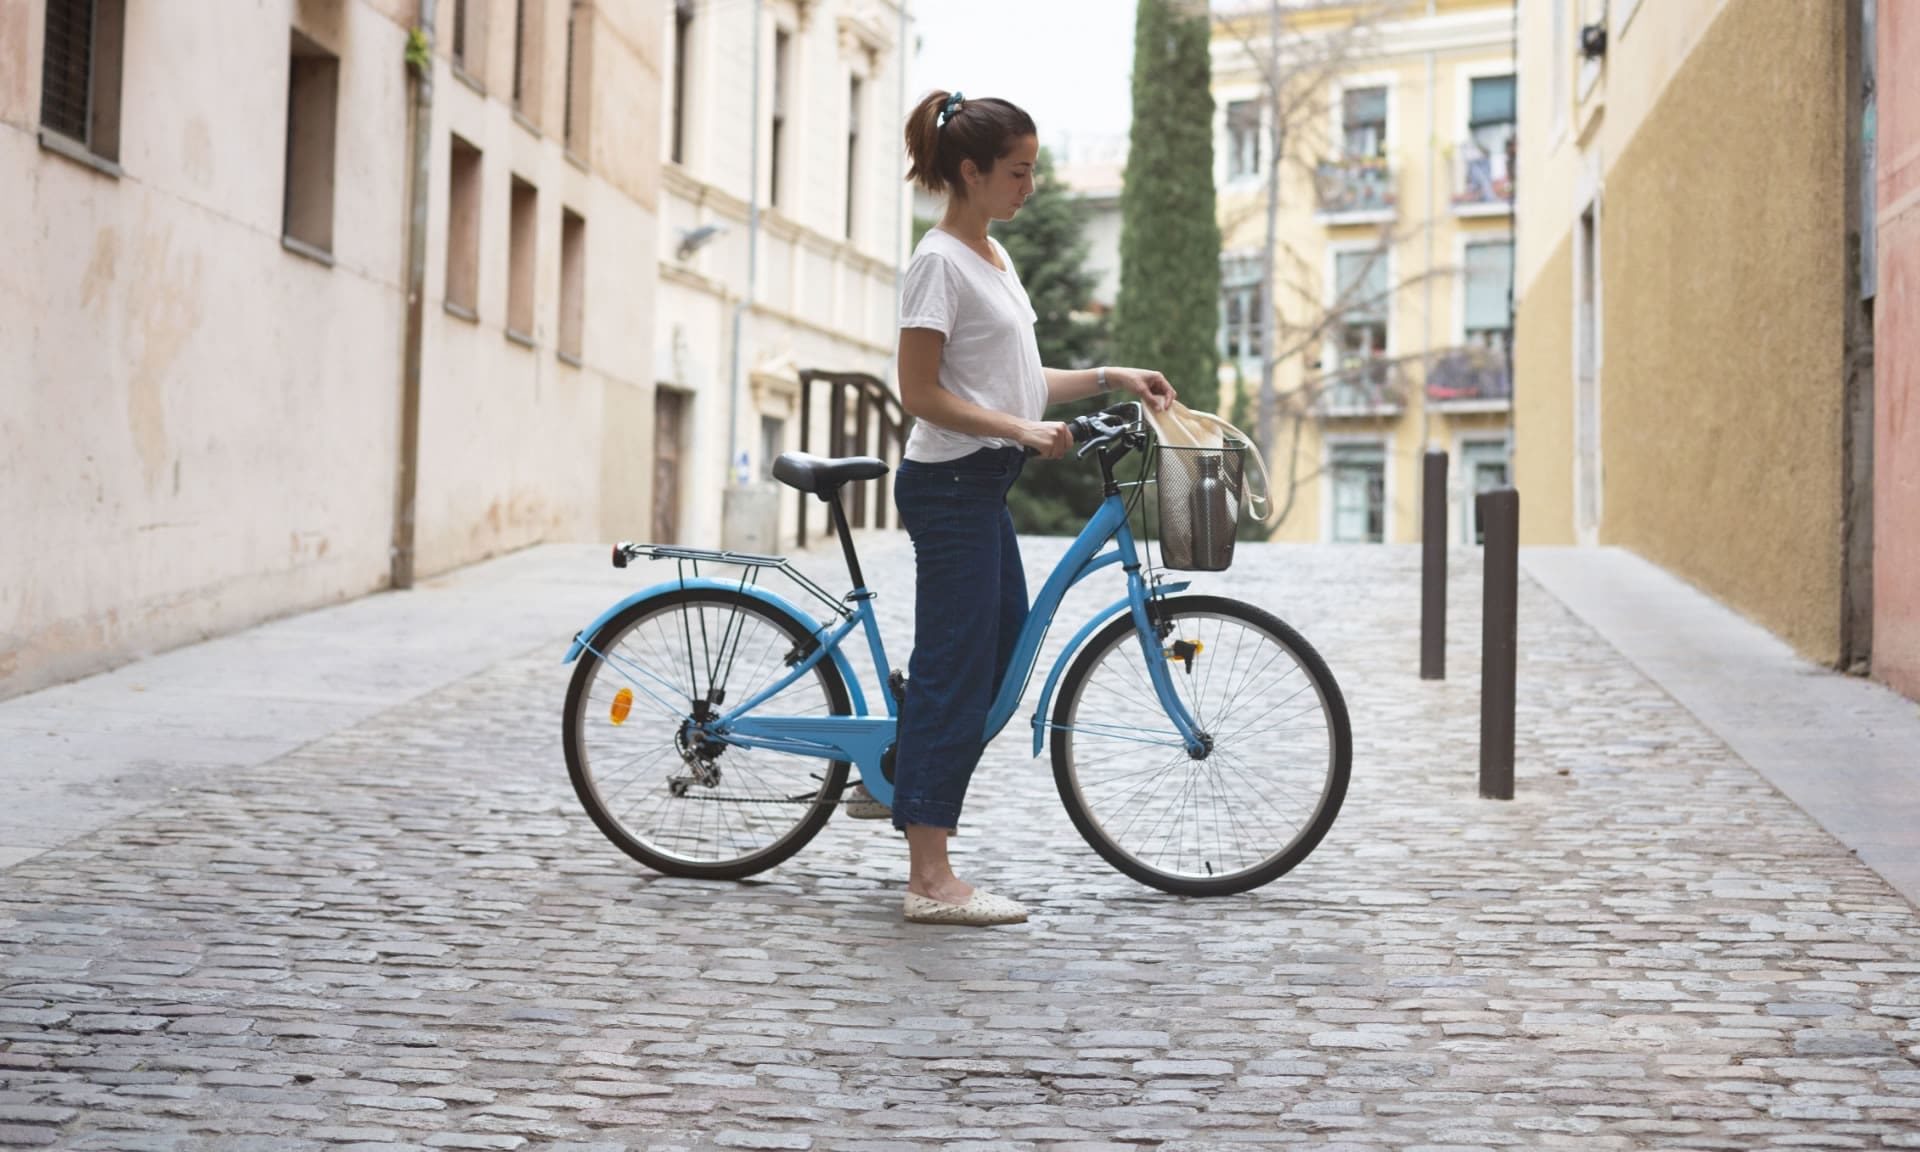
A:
(676, 804)
(1264, 794)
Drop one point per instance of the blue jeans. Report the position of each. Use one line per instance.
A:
(970, 601)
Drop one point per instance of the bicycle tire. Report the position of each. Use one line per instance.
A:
(726, 605)
(1070, 775)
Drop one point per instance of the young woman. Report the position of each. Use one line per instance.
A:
(970, 374)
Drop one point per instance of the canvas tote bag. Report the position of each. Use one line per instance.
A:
(1182, 427)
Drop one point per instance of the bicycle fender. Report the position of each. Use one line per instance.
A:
(1066, 657)
(814, 628)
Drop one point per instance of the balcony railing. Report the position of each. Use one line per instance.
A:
(1363, 386)
(1470, 378)
(1356, 189)
(1483, 181)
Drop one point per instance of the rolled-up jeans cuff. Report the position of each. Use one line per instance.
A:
(925, 811)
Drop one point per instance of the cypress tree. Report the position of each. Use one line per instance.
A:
(1168, 313)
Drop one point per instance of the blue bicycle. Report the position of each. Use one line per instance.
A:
(1200, 745)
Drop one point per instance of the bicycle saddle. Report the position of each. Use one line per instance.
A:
(811, 473)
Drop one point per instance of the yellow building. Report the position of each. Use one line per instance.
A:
(1394, 238)
(1690, 354)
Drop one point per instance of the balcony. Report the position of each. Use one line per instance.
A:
(1470, 380)
(1362, 388)
(1482, 182)
(1356, 190)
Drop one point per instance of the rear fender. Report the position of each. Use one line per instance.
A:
(814, 628)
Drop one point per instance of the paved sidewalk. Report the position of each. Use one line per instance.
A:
(1844, 749)
(358, 907)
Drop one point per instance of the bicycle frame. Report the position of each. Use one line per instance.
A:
(864, 739)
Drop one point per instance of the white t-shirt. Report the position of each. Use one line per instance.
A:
(991, 356)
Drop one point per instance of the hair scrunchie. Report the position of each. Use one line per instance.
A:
(950, 108)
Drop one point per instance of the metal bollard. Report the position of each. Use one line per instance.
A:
(1499, 515)
(1433, 566)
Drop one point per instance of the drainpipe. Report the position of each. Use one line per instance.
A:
(753, 256)
(903, 200)
(401, 573)
(1433, 129)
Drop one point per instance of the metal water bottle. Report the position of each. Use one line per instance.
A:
(1209, 512)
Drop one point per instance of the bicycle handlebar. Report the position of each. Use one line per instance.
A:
(1100, 427)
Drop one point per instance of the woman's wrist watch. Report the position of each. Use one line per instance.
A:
(1102, 377)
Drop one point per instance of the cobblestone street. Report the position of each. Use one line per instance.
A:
(407, 934)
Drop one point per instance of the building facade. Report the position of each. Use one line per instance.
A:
(745, 306)
(1696, 321)
(1894, 288)
(1394, 241)
(207, 356)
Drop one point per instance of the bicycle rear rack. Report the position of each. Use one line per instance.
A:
(750, 564)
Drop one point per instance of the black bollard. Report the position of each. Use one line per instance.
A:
(1499, 515)
(1433, 566)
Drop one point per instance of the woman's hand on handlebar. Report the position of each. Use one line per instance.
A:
(1048, 438)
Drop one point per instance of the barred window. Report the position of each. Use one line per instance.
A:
(80, 82)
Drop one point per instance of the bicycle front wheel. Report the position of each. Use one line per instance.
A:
(671, 800)
(1265, 792)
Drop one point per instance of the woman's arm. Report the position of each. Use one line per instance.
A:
(924, 399)
(1067, 384)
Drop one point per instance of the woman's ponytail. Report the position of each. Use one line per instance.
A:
(978, 130)
(923, 143)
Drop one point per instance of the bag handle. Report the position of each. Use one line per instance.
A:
(1258, 494)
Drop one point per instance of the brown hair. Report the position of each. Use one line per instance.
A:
(978, 130)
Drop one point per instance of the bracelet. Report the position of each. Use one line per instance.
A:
(1102, 378)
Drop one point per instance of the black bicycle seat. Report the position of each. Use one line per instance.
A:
(810, 473)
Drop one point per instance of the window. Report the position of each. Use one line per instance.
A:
(579, 93)
(1243, 139)
(773, 439)
(459, 37)
(853, 150)
(682, 40)
(782, 52)
(1358, 473)
(522, 223)
(463, 230)
(527, 26)
(313, 90)
(1489, 282)
(1489, 147)
(1363, 122)
(573, 284)
(1484, 466)
(1243, 315)
(1361, 328)
(80, 83)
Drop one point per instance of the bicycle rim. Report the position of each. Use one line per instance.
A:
(676, 804)
(1262, 797)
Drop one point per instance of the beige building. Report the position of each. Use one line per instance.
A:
(830, 234)
(1395, 253)
(1694, 360)
(205, 340)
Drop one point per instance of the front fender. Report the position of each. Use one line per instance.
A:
(1066, 656)
(816, 629)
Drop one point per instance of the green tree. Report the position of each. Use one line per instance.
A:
(1047, 242)
(1168, 313)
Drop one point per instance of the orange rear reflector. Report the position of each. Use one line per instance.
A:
(622, 704)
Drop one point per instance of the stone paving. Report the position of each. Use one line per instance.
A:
(406, 935)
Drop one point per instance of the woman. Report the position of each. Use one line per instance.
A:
(970, 375)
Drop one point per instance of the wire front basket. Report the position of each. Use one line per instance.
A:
(1200, 497)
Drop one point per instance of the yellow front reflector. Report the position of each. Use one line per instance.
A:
(622, 704)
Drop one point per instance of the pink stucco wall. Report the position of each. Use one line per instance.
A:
(1896, 450)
